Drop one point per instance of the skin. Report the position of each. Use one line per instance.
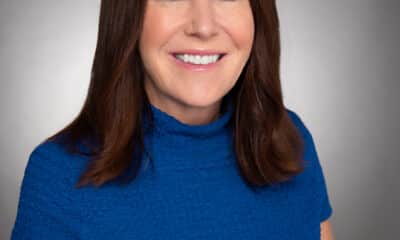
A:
(326, 230)
(194, 97)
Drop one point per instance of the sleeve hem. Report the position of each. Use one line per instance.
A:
(327, 213)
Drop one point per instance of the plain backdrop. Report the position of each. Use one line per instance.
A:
(340, 73)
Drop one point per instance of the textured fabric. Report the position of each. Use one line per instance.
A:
(192, 191)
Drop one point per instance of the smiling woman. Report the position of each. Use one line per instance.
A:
(193, 88)
(202, 42)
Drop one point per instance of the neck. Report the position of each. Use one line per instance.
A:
(188, 114)
(167, 136)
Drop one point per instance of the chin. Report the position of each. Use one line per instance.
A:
(201, 102)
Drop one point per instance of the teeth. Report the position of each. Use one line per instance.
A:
(196, 59)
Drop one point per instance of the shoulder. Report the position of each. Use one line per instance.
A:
(51, 154)
(50, 164)
(48, 155)
(313, 175)
(299, 123)
(47, 164)
(46, 193)
(310, 155)
(304, 131)
(49, 178)
(47, 148)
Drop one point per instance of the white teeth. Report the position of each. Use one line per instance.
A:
(196, 59)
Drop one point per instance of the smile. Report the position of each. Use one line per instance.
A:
(195, 62)
(198, 59)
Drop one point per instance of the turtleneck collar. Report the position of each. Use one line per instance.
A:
(169, 139)
(170, 125)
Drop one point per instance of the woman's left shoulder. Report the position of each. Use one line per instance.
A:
(299, 123)
(310, 153)
(313, 177)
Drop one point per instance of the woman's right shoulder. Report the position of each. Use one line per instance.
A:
(47, 193)
(52, 158)
(48, 147)
(48, 153)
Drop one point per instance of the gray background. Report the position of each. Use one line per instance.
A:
(340, 65)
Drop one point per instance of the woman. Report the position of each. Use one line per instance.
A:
(183, 135)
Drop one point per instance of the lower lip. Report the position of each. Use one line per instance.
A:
(197, 67)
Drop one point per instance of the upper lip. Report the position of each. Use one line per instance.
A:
(200, 52)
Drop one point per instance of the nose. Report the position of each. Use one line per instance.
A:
(202, 22)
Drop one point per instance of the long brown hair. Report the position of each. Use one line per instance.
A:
(268, 146)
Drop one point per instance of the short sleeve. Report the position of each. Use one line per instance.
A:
(324, 206)
(43, 200)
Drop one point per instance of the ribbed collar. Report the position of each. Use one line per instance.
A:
(180, 145)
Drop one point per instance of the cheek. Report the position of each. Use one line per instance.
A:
(240, 27)
(244, 41)
(156, 30)
(155, 34)
(148, 40)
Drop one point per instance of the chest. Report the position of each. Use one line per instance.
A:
(210, 203)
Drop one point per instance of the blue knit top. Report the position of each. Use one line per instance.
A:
(193, 190)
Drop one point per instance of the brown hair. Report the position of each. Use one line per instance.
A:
(110, 124)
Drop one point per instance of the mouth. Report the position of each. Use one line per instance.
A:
(199, 59)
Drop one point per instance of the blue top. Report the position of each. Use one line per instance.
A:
(193, 191)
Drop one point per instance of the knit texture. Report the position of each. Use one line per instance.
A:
(193, 190)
